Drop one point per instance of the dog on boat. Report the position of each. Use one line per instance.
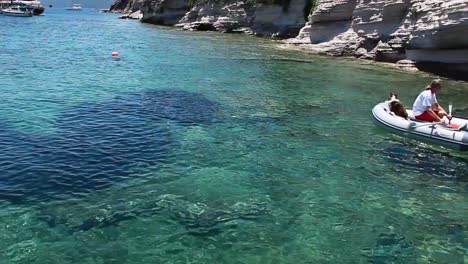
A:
(396, 106)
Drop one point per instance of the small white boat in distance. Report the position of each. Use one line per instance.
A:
(18, 11)
(435, 133)
(35, 5)
(75, 7)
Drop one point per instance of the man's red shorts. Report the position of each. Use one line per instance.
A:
(426, 117)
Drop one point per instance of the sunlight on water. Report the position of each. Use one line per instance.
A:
(211, 148)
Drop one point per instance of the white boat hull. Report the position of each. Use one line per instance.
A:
(75, 7)
(36, 6)
(434, 133)
(17, 14)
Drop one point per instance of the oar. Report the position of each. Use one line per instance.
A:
(427, 124)
(454, 126)
(450, 112)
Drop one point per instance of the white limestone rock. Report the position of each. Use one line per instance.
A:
(163, 12)
(433, 31)
(217, 16)
(126, 6)
(279, 21)
(333, 10)
(439, 24)
(407, 65)
(390, 30)
(259, 18)
(360, 52)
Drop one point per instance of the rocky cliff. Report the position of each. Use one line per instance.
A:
(275, 18)
(432, 34)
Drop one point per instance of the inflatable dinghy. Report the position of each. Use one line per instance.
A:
(454, 135)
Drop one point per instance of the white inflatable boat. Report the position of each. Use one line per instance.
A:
(436, 133)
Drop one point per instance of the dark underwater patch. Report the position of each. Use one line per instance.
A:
(433, 163)
(97, 144)
(198, 218)
(390, 248)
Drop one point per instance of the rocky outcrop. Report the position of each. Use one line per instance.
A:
(137, 15)
(164, 12)
(258, 18)
(438, 40)
(232, 17)
(440, 24)
(333, 10)
(126, 6)
(424, 31)
(280, 19)
(161, 12)
(431, 33)
(120, 5)
(344, 27)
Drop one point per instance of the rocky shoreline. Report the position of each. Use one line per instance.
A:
(427, 35)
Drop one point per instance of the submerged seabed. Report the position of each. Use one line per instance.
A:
(211, 148)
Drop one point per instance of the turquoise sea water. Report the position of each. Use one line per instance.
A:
(211, 148)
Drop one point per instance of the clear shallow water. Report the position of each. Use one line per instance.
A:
(211, 148)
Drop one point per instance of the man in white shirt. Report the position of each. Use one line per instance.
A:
(426, 107)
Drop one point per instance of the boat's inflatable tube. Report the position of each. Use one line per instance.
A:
(435, 133)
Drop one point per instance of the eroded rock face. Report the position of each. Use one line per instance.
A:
(438, 40)
(218, 16)
(333, 10)
(164, 12)
(337, 21)
(439, 24)
(126, 6)
(259, 18)
(281, 19)
(390, 30)
(161, 12)
(432, 31)
(120, 5)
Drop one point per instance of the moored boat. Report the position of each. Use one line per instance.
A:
(34, 5)
(18, 11)
(75, 7)
(453, 136)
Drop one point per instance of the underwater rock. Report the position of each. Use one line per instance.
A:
(423, 160)
(96, 144)
(199, 219)
(390, 248)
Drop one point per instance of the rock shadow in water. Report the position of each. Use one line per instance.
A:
(433, 163)
(199, 219)
(96, 144)
(390, 248)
